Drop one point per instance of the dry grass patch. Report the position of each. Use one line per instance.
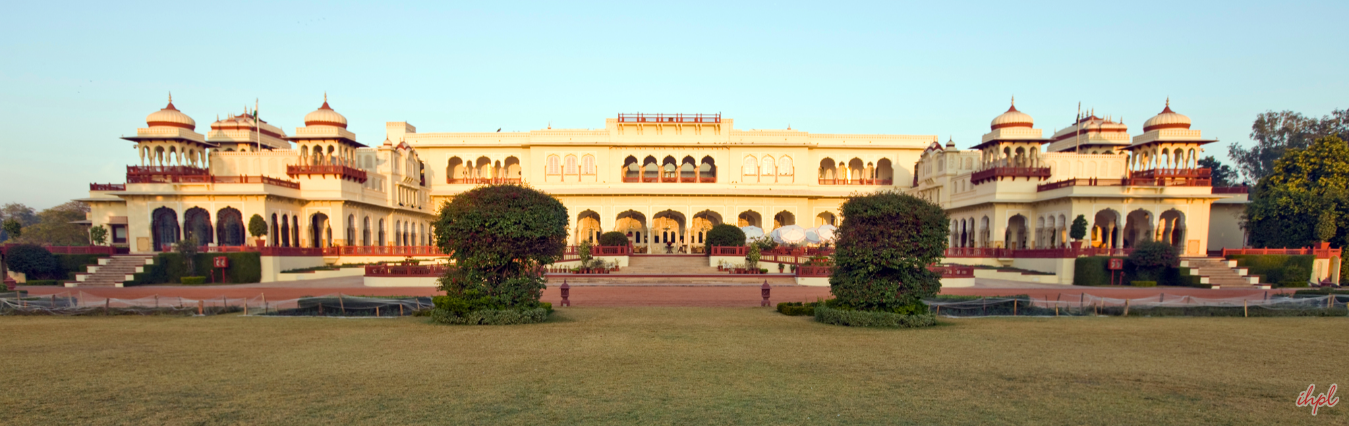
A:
(667, 365)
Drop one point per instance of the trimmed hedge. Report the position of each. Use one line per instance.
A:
(44, 282)
(613, 238)
(854, 318)
(1092, 271)
(797, 308)
(493, 316)
(1143, 283)
(1277, 268)
(193, 280)
(77, 263)
(168, 268)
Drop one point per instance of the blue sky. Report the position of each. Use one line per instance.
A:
(74, 76)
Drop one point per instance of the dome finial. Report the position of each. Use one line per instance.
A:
(170, 96)
(1013, 100)
(1168, 102)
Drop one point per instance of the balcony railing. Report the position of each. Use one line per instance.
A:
(669, 118)
(856, 181)
(997, 173)
(163, 174)
(239, 179)
(382, 251)
(343, 172)
(669, 179)
(1231, 190)
(946, 271)
(484, 181)
(107, 187)
(1055, 253)
(405, 270)
(1171, 177)
(1322, 252)
(1079, 182)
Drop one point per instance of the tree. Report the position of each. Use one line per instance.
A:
(187, 249)
(884, 246)
(500, 237)
(1079, 228)
(12, 228)
(1325, 227)
(725, 235)
(20, 213)
(1304, 186)
(584, 252)
(613, 238)
(1222, 174)
(98, 235)
(32, 260)
(56, 226)
(1277, 132)
(1150, 258)
(752, 255)
(257, 226)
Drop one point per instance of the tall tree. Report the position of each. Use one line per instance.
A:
(55, 226)
(1277, 132)
(25, 215)
(1223, 175)
(1307, 190)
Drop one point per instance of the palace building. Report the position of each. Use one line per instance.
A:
(662, 179)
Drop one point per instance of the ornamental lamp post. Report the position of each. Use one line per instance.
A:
(765, 290)
(566, 291)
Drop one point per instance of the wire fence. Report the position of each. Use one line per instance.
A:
(1089, 305)
(334, 305)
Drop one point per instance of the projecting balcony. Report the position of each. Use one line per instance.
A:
(998, 173)
(669, 118)
(1171, 177)
(857, 181)
(107, 187)
(164, 174)
(484, 181)
(669, 179)
(343, 172)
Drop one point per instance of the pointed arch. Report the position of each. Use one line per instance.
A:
(230, 227)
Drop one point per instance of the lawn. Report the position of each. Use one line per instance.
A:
(667, 365)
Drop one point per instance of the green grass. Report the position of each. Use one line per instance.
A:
(666, 365)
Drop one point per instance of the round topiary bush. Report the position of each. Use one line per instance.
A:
(613, 238)
(500, 237)
(33, 261)
(725, 235)
(884, 246)
(1151, 258)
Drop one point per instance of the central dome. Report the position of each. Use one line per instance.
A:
(170, 117)
(1012, 118)
(1167, 119)
(325, 116)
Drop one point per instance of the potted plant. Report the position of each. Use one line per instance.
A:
(257, 227)
(781, 266)
(1078, 231)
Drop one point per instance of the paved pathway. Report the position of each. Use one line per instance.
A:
(625, 295)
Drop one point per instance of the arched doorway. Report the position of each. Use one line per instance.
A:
(164, 227)
(1016, 232)
(588, 227)
(749, 218)
(669, 229)
(1172, 227)
(197, 226)
(229, 225)
(783, 218)
(703, 221)
(1137, 228)
(633, 224)
(1105, 229)
(276, 232)
(320, 235)
(826, 218)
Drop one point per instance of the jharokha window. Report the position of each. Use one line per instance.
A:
(552, 167)
(570, 166)
(588, 165)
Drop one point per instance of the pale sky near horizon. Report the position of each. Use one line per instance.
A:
(75, 76)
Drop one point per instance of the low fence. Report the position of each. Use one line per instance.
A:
(1089, 305)
(1055, 253)
(1322, 252)
(405, 270)
(946, 271)
(80, 303)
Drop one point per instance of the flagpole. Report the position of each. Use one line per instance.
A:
(257, 126)
(1078, 137)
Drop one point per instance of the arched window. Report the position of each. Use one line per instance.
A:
(552, 167)
(769, 167)
(588, 165)
(570, 163)
(751, 167)
(785, 166)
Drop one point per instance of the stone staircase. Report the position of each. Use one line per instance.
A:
(672, 271)
(111, 271)
(1222, 273)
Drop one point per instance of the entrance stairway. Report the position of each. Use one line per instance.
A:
(689, 270)
(1222, 273)
(110, 272)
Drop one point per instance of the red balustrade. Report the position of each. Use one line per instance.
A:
(382, 251)
(1323, 251)
(1054, 253)
(343, 172)
(406, 270)
(823, 181)
(728, 251)
(107, 187)
(484, 181)
(998, 173)
(291, 251)
(1231, 189)
(669, 118)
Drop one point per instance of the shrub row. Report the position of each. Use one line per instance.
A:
(40, 264)
(1143, 283)
(797, 308)
(1093, 271)
(1283, 270)
(45, 282)
(854, 318)
(493, 316)
(169, 268)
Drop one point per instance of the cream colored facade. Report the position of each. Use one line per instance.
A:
(662, 179)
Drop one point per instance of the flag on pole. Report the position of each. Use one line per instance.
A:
(257, 126)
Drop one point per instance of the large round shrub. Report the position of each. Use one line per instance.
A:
(34, 261)
(613, 238)
(1151, 258)
(500, 237)
(725, 235)
(884, 246)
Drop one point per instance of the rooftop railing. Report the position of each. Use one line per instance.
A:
(1231, 189)
(824, 181)
(669, 118)
(107, 187)
(343, 172)
(997, 173)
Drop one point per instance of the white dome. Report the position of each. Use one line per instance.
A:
(325, 116)
(1012, 118)
(1167, 119)
(170, 117)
